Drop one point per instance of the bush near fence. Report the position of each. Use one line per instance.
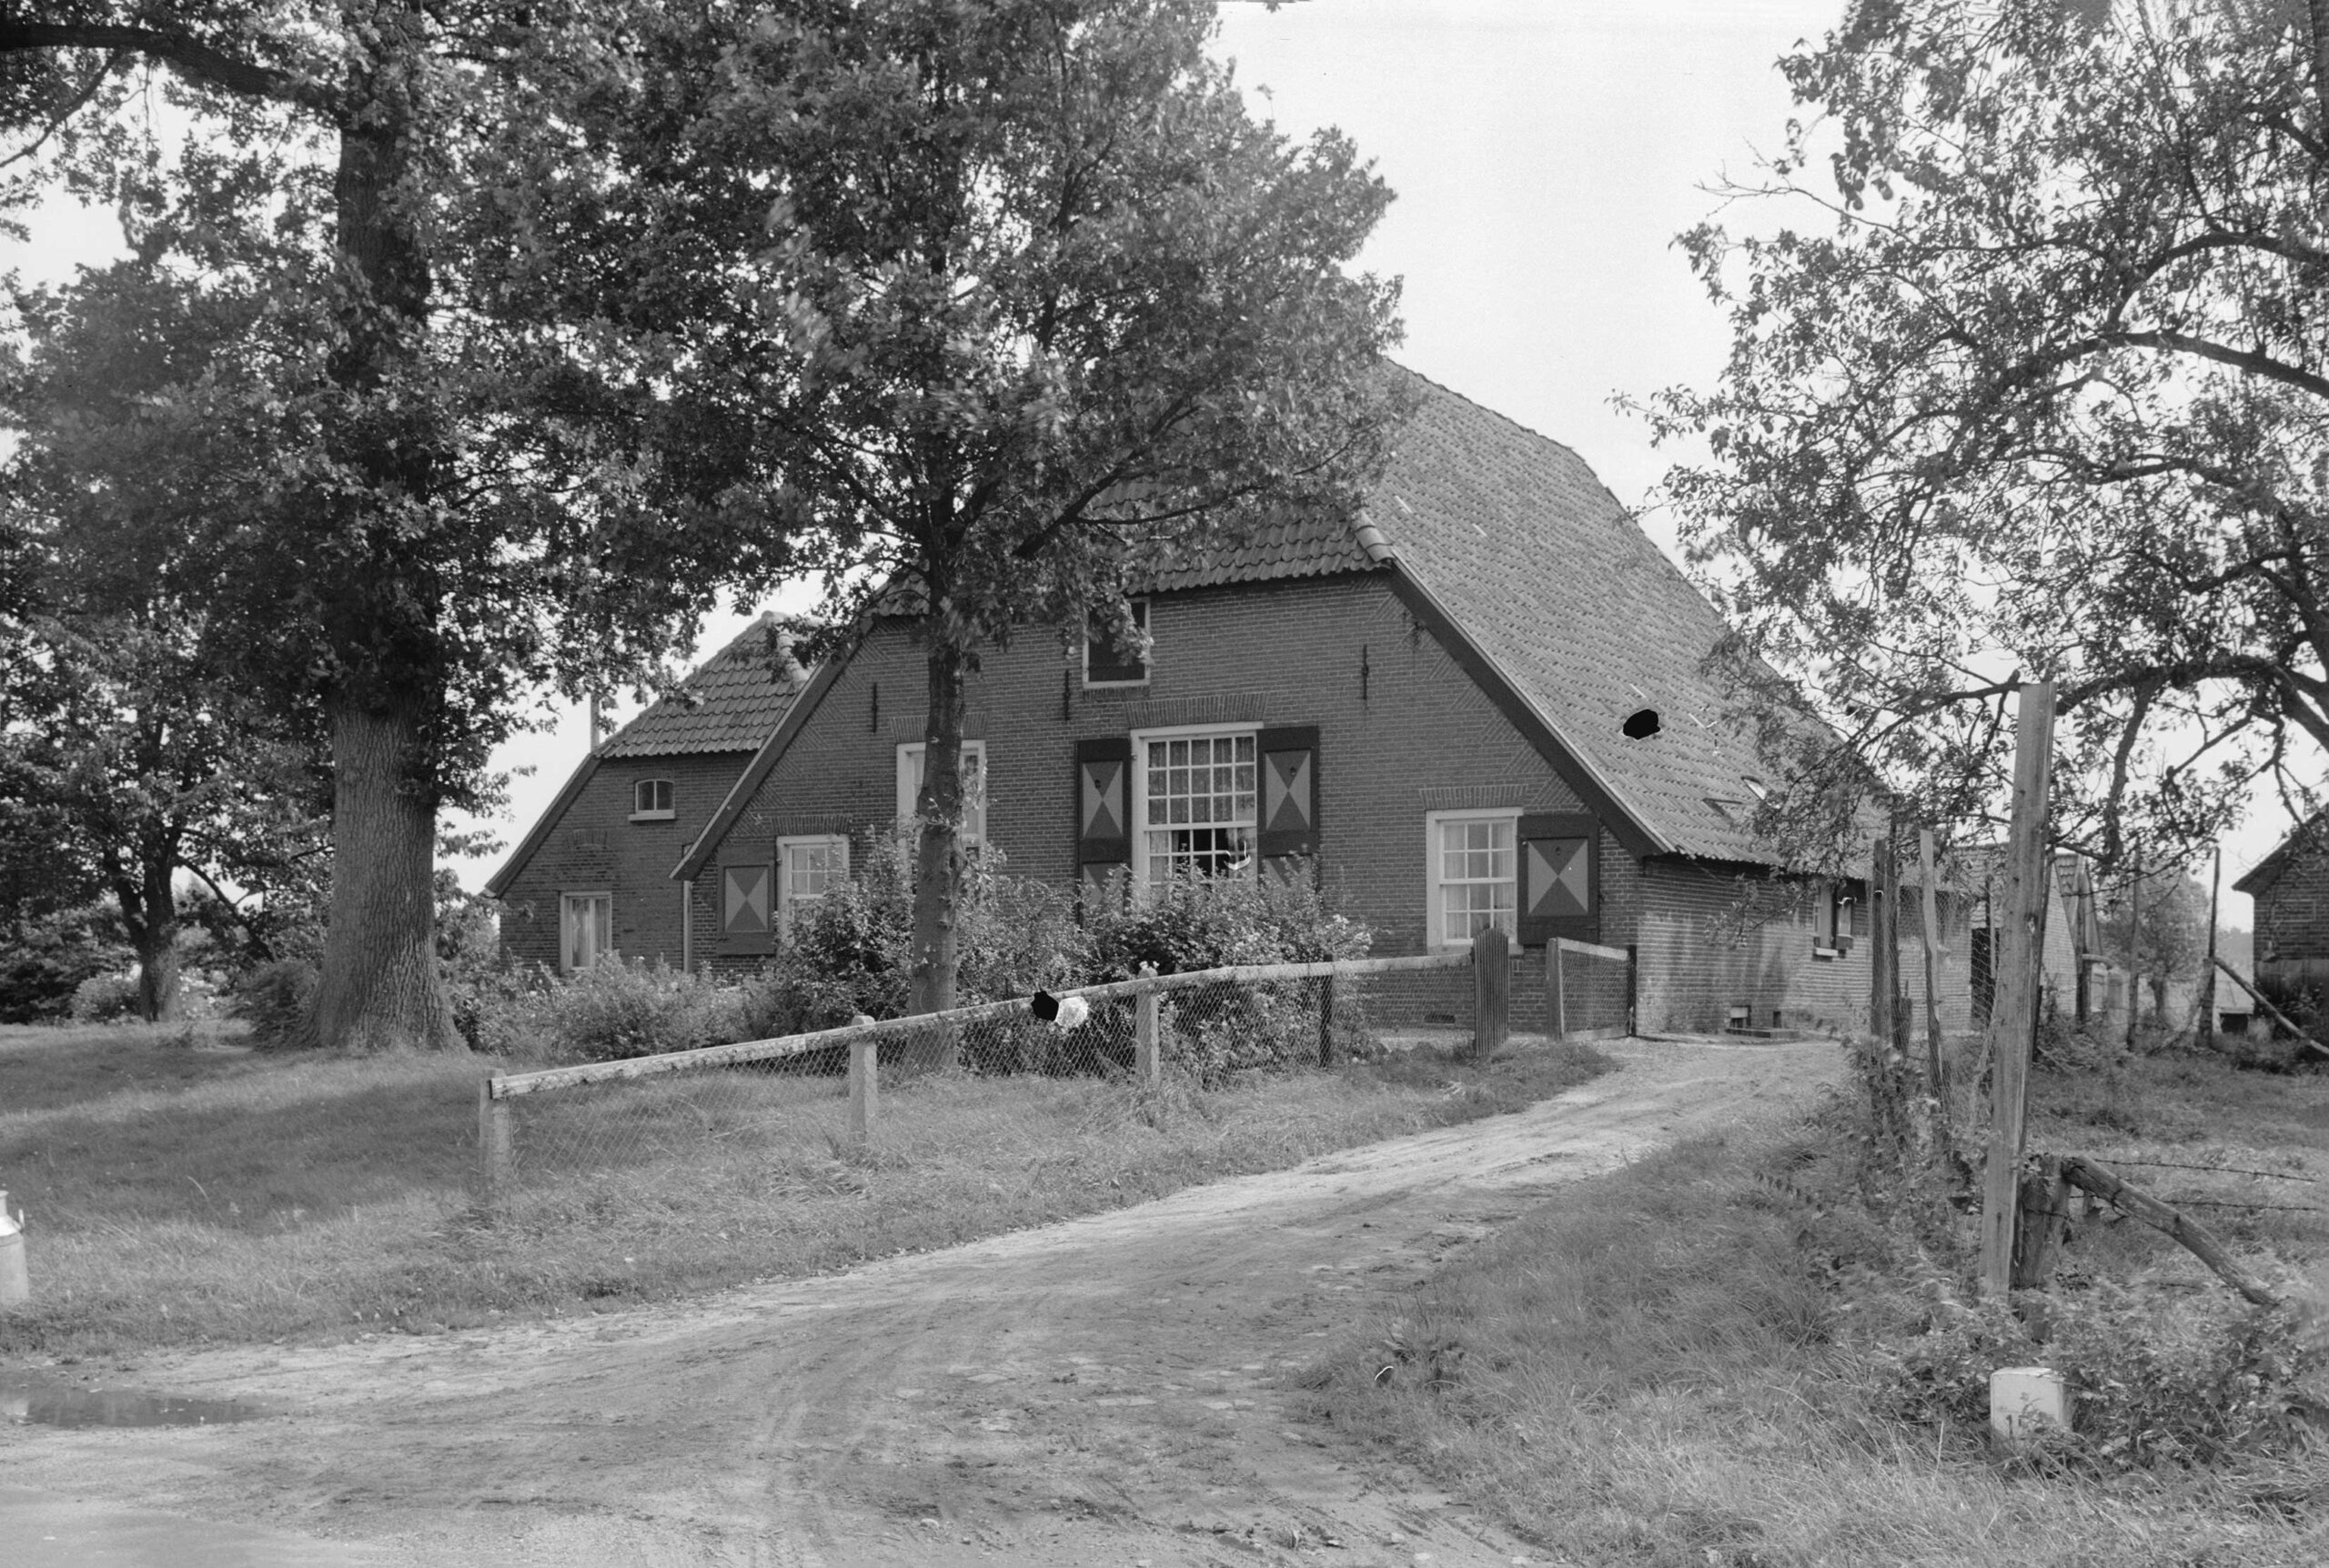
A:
(849, 954)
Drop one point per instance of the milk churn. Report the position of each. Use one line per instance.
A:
(16, 1285)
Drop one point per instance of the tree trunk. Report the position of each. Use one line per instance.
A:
(379, 989)
(938, 843)
(159, 1000)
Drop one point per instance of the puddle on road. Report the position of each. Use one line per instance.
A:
(28, 1400)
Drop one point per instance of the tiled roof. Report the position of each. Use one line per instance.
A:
(1540, 568)
(731, 703)
(1589, 621)
(1301, 548)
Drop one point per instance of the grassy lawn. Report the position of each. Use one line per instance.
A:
(1668, 1366)
(180, 1193)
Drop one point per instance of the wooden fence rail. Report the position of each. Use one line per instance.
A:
(861, 1040)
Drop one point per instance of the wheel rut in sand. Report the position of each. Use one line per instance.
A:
(1110, 1390)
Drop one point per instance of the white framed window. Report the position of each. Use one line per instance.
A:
(1193, 799)
(1106, 664)
(1472, 871)
(807, 868)
(973, 786)
(651, 801)
(585, 929)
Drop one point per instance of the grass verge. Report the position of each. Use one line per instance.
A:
(1668, 1366)
(178, 1195)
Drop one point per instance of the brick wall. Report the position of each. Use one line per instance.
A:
(2293, 935)
(1402, 731)
(595, 846)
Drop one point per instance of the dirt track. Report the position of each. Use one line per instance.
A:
(1106, 1390)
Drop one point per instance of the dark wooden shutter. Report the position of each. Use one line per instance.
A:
(1561, 877)
(1287, 808)
(747, 907)
(1102, 809)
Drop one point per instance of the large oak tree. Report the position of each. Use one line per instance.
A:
(2045, 390)
(983, 306)
(400, 520)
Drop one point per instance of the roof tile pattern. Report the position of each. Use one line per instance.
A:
(731, 703)
(1559, 586)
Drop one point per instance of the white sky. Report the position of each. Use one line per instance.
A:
(1544, 154)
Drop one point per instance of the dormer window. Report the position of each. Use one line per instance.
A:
(651, 801)
(1108, 663)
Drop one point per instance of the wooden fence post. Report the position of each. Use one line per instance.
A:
(2134, 951)
(1145, 1065)
(2014, 1013)
(2207, 1018)
(1491, 993)
(1556, 1002)
(864, 1088)
(492, 1142)
(1935, 1068)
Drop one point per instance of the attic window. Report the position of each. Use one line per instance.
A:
(651, 801)
(1641, 724)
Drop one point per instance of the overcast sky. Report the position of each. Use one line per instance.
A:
(1544, 154)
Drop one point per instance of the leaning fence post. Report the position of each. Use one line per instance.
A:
(1491, 991)
(1555, 1004)
(492, 1141)
(1145, 1065)
(864, 1087)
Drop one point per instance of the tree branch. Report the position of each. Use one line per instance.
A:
(195, 60)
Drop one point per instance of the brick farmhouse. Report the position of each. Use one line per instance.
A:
(2290, 887)
(1482, 698)
(593, 874)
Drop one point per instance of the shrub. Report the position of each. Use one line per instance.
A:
(44, 959)
(101, 999)
(273, 997)
(2152, 1382)
(1202, 923)
(619, 1008)
(851, 952)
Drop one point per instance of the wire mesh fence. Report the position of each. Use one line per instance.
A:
(696, 1127)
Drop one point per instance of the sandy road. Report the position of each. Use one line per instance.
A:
(1108, 1391)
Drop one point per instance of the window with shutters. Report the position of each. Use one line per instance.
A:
(651, 801)
(807, 868)
(585, 929)
(974, 787)
(1108, 661)
(1474, 875)
(1194, 799)
(1832, 920)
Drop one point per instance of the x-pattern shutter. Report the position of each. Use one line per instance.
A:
(1561, 877)
(747, 907)
(1288, 809)
(1102, 809)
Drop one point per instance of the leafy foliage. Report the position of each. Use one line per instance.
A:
(44, 959)
(2043, 391)
(2196, 1384)
(297, 391)
(1196, 923)
(982, 306)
